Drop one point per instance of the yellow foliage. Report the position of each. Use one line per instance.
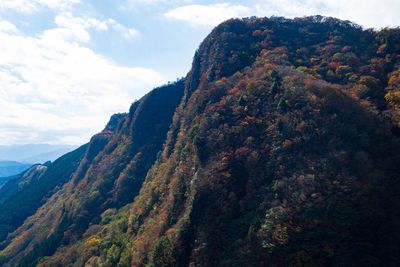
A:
(393, 98)
(93, 241)
(394, 78)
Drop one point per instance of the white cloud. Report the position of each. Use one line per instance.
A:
(6, 26)
(289, 8)
(29, 6)
(53, 89)
(368, 13)
(208, 15)
(134, 4)
(126, 32)
(78, 28)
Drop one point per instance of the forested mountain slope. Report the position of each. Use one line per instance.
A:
(21, 197)
(111, 170)
(282, 150)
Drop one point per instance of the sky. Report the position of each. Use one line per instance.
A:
(67, 65)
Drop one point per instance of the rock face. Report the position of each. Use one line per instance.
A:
(279, 148)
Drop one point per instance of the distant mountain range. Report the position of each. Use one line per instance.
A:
(33, 153)
(10, 168)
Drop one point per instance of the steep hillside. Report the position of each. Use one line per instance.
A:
(108, 176)
(283, 151)
(285, 174)
(20, 197)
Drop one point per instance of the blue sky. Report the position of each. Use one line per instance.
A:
(67, 65)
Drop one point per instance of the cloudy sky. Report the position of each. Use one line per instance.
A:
(67, 65)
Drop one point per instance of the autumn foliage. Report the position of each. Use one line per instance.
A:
(279, 148)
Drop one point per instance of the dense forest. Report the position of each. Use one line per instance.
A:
(279, 148)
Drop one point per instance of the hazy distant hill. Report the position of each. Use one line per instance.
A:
(9, 168)
(33, 153)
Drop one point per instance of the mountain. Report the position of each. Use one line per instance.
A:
(279, 148)
(111, 170)
(33, 153)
